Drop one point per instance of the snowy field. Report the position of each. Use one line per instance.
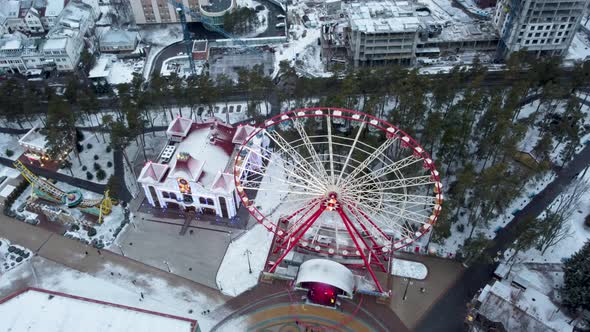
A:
(115, 284)
(262, 16)
(10, 142)
(579, 48)
(106, 232)
(233, 277)
(408, 269)
(11, 256)
(93, 145)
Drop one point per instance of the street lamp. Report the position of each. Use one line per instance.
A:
(168, 266)
(248, 253)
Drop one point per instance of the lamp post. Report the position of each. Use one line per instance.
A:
(248, 253)
(168, 266)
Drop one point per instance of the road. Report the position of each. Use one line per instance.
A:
(449, 313)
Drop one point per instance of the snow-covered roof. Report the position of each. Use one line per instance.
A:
(55, 43)
(152, 172)
(54, 7)
(10, 8)
(10, 44)
(382, 17)
(42, 310)
(100, 69)
(223, 183)
(187, 167)
(327, 272)
(118, 37)
(199, 45)
(521, 310)
(242, 132)
(179, 127)
(34, 140)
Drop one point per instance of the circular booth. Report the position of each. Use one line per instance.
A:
(325, 281)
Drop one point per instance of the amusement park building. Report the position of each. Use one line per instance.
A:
(193, 171)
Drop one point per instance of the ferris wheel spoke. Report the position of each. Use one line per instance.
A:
(360, 168)
(293, 154)
(395, 216)
(303, 218)
(291, 172)
(282, 191)
(350, 151)
(388, 169)
(376, 215)
(330, 149)
(375, 233)
(398, 183)
(281, 180)
(309, 146)
(259, 183)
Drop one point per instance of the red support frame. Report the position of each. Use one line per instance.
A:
(372, 253)
(301, 230)
(349, 226)
(285, 238)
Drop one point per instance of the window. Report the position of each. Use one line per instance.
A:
(532, 27)
(545, 34)
(210, 201)
(173, 195)
(165, 194)
(538, 34)
(187, 198)
(527, 42)
(535, 41)
(202, 200)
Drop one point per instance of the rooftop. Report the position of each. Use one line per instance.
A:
(41, 310)
(216, 6)
(200, 157)
(199, 45)
(54, 7)
(521, 310)
(55, 43)
(116, 36)
(34, 139)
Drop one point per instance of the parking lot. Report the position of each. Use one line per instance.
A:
(228, 64)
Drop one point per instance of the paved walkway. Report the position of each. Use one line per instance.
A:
(71, 253)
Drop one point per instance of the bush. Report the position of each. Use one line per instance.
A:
(101, 175)
(89, 176)
(109, 149)
(79, 135)
(587, 221)
(9, 153)
(74, 228)
(109, 164)
(461, 228)
(97, 166)
(79, 147)
(95, 157)
(84, 168)
(89, 146)
(91, 232)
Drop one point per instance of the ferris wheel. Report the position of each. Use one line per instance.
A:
(337, 183)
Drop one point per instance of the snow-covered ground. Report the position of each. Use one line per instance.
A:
(93, 145)
(579, 48)
(180, 65)
(105, 233)
(10, 142)
(408, 269)
(12, 255)
(117, 285)
(262, 16)
(233, 277)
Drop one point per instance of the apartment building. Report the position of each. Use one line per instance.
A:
(61, 46)
(544, 27)
(164, 11)
(381, 34)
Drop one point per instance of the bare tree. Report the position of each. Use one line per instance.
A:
(554, 227)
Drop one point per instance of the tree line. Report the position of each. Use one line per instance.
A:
(472, 128)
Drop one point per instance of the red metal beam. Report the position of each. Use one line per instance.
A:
(285, 238)
(366, 245)
(302, 229)
(371, 222)
(347, 223)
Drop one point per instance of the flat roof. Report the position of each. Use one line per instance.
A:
(35, 309)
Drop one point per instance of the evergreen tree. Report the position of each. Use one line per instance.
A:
(576, 287)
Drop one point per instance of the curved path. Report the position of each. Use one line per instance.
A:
(271, 307)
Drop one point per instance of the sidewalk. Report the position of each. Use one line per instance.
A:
(72, 254)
